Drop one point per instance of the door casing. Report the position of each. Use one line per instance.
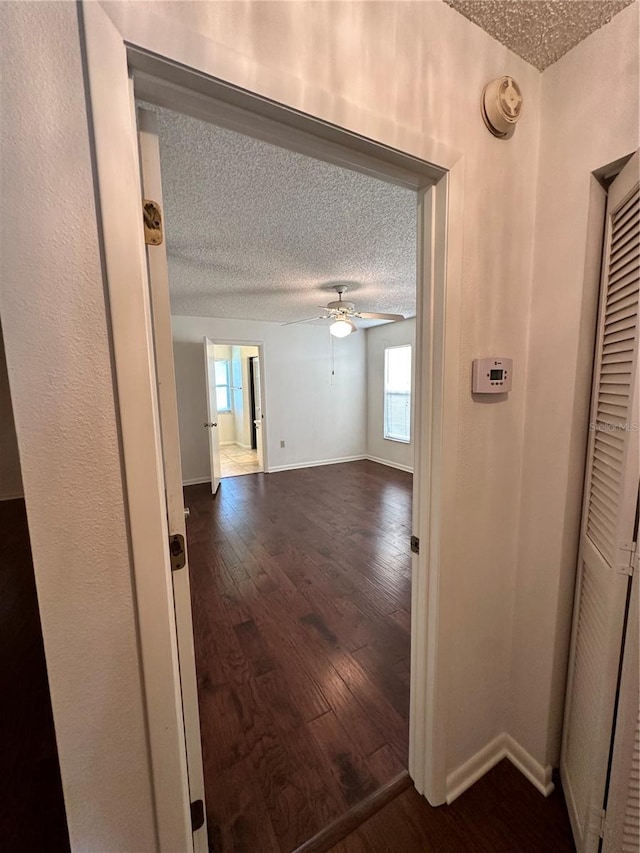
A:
(192, 75)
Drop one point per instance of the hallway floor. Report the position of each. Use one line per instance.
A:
(301, 596)
(501, 813)
(236, 460)
(32, 812)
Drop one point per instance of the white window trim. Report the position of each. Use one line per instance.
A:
(226, 385)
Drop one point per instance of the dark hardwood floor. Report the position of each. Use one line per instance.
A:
(301, 600)
(501, 813)
(32, 815)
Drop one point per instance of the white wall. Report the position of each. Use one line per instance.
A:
(319, 416)
(10, 476)
(52, 305)
(379, 447)
(595, 125)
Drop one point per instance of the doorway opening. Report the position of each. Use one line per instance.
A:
(301, 577)
(235, 407)
(164, 73)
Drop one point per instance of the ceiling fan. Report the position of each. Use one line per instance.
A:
(342, 314)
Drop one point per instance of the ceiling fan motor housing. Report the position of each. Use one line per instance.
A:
(342, 305)
(502, 106)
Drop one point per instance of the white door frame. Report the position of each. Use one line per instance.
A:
(260, 346)
(177, 67)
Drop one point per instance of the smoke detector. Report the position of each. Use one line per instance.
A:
(502, 106)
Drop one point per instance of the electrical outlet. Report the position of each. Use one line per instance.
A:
(282, 444)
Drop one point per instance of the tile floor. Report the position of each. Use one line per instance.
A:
(236, 460)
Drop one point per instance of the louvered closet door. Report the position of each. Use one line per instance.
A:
(622, 824)
(609, 508)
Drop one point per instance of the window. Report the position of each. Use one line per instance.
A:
(223, 393)
(397, 393)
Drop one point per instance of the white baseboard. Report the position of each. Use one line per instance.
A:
(389, 464)
(459, 780)
(503, 746)
(196, 481)
(536, 773)
(16, 497)
(226, 443)
(314, 464)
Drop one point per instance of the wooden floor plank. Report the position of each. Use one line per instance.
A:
(501, 813)
(351, 772)
(291, 574)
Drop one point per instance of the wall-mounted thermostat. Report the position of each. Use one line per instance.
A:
(491, 375)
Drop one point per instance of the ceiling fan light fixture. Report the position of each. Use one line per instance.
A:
(341, 328)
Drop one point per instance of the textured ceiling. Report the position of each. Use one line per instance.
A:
(540, 31)
(260, 233)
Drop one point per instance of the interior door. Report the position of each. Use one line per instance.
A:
(165, 372)
(257, 396)
(212, 412)
(622, 804)
(608, 522)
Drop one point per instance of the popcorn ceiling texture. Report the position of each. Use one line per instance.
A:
(540, 31)
(256, 232)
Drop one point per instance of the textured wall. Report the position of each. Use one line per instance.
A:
(595, 125)
(53, 315)
(389, 335)
(318, 416)
(10, 476)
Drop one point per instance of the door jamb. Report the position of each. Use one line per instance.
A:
(260, 346)
(116, 40)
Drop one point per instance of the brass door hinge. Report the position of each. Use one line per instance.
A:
(152, 219)
(177, 552)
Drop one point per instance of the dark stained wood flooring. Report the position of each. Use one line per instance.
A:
(32, 815)
(301, 599)
(502, 813)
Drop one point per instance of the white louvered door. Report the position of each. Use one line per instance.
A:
(622, 824)
(611, 489)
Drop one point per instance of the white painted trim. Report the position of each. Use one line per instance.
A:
(12, 497)
(536, 773)
(117, 179)
(389, 464)
(315, 463)
(468, 773)
(503, 746)
(158, 270)
(227, 443)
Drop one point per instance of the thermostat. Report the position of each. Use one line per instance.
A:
(491, 375)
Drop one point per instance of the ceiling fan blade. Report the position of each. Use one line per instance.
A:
(372, 315)
(308, 320)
